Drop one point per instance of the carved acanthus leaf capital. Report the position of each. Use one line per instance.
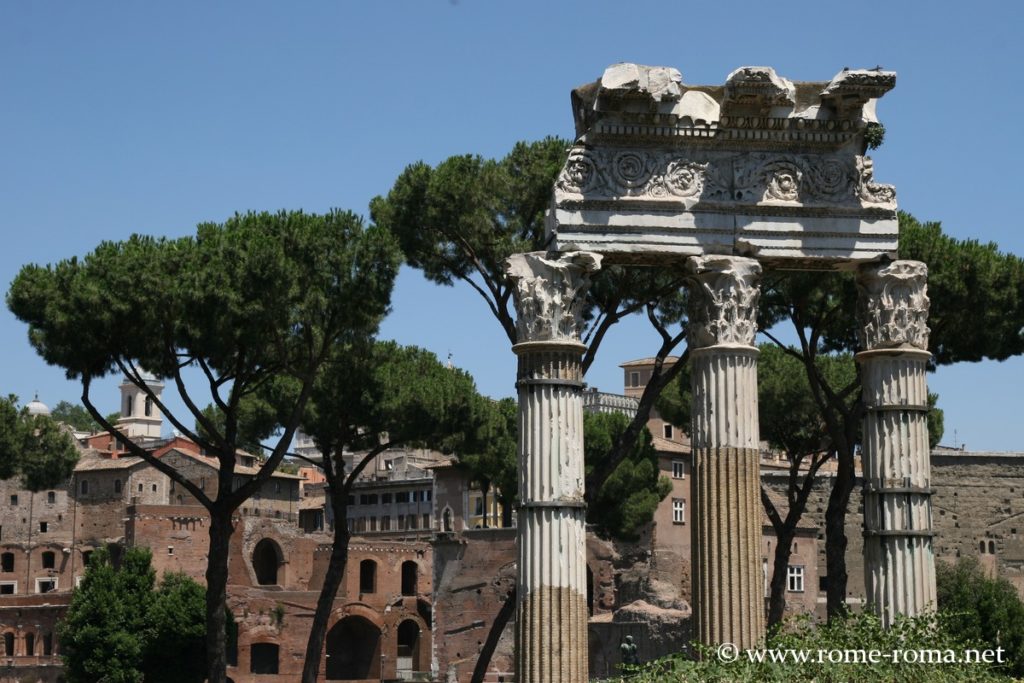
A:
(893, 305)
(724, 293)
(549, 293)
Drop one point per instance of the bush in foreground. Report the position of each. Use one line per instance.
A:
(932, 639)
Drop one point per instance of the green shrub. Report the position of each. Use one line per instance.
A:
(982, 609)
(931, 635)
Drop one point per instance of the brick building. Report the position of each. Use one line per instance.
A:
(419, 597)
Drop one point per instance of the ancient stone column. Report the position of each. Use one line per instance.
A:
(899, 564)
(728, 593)
(551, 622)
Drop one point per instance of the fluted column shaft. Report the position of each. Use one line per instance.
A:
(551, 622)
(898, 556)
(728, 599)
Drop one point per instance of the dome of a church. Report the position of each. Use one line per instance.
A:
(37, 407)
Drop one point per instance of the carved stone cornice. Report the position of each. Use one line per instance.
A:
(724, 291)
(758, 87)
(549, 293)
(893, 305)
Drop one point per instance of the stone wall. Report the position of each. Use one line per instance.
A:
(977, 510)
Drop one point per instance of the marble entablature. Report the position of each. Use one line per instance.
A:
(761, 167)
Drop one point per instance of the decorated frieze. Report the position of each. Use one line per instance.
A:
(753, 178)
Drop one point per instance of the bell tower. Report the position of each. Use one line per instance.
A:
(140, 415)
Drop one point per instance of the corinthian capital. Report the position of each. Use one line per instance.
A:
(549, 293)
(723, 300)
(893, 305)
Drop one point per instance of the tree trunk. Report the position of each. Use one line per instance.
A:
(483, 660)
(216, 594)
(506, 514)
(325, 603)
(783, 551)
(485, 487)
(835, 537)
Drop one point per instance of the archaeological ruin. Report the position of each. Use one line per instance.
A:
(719, 182)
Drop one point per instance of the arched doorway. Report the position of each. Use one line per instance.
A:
(265, 560)
(410, 572)
(408, 647)
(353, 650)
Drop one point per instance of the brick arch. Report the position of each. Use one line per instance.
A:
(267, 562)
(357, 609)
(410, 572)
(31, 637)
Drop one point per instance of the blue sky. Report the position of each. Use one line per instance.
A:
(151, 117)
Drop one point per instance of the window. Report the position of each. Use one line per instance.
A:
(410, 572)
(678, 469)
(84, 487)
(667, 431)
(49, 560)
(428, 495)
(140, 488)
(277, 487)
(367, 576)
(373, 523)
(678, 511)
(149, 407)
(8, 587)
(9, 644)
(51, 497)
(411, 519)
(401, 522)
(154, 488)
(385, 498)
(117, 486)
(86, 556)
(402, 497)
(389, 464)
(764, 577)
(47, 644)
(44, 527)
(202, 483)
(30, 644)
(351, 500)
(426, 521)
(634, 379)
(46, 585)
(795, 579)
(14, 499)
(385, 523)
(263, 658)
(170, 550)
(127, 406)
(478, 506)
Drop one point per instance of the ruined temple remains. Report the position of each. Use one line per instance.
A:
(721, 183)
